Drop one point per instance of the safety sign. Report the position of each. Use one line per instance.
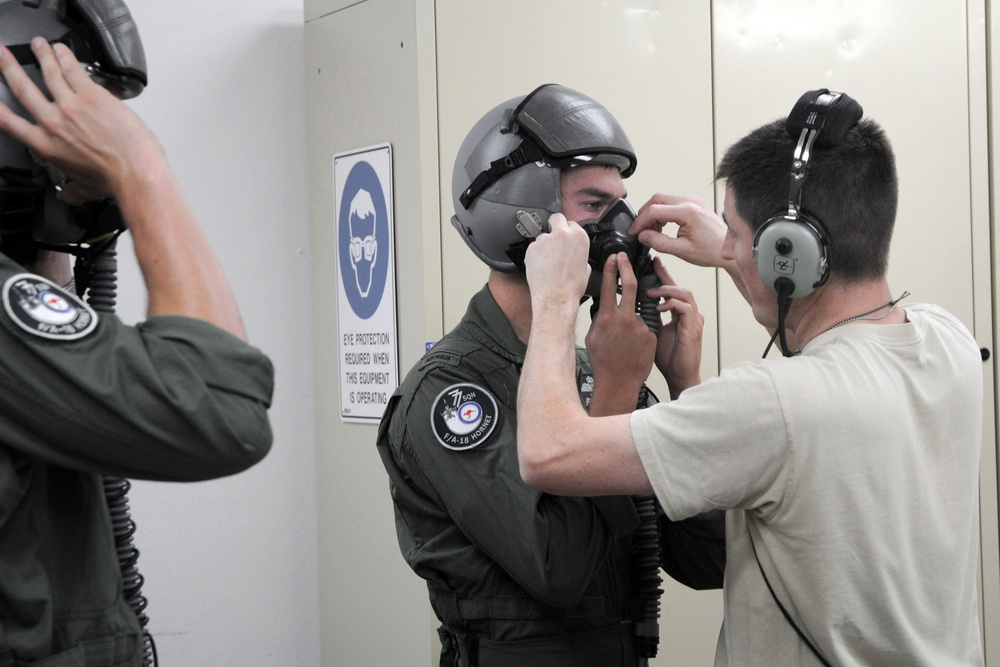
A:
(366, 303)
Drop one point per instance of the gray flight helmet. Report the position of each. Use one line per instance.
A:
(506, 179)
(105, 39)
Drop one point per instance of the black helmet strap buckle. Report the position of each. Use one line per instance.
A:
(526, 152)
(75, 39)
(23, 54)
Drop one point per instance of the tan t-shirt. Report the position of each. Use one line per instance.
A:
(856, 466)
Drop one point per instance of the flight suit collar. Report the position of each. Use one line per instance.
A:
(486, 322)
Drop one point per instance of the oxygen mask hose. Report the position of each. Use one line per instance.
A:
(646, 539)
(609, 235)
(95, 273)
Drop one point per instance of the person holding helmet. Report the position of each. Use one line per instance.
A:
(180, 396)
(519, 577)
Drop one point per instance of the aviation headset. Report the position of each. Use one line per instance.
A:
(792, 249)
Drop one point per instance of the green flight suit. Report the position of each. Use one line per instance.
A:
(172, 398)
(516, 576)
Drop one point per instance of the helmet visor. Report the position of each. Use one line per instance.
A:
(570, 126)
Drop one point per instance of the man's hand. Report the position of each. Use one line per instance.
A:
(620, 345)
(84, 130)
(678, 347)
(556, 265)
(700, 232)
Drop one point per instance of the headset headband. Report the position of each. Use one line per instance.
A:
(821, 118)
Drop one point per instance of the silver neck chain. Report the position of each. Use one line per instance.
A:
(868, 316)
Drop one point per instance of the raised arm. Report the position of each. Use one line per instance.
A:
(560, 448)
(107, 150)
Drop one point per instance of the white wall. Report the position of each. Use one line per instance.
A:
(231, 565)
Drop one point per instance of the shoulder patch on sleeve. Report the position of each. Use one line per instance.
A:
(463, 416)
(45, 310)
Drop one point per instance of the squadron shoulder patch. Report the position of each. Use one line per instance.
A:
(463, 416)
(43, 309)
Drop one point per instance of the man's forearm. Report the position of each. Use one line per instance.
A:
(548, 402)
(561, 449)
(181, 272)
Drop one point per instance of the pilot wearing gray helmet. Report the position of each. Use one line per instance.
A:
(516, 576)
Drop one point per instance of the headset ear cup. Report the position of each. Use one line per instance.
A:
(794, 249)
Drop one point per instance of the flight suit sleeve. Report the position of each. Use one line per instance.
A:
(551, 546)
(173, 398)
(693, 550)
